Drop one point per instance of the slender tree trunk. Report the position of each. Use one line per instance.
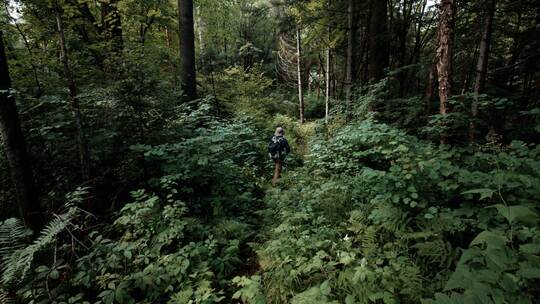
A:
(444, 56)
(187, 49)
(168, 38)
(200, 35)
(308, 76)
(327, 83)
(320, 73)
(328, 76)
(415, 55)
(74, 101)
(299, 72)
(351, 48)
(378, 41)
(430, 88)
(469, 73)
(15, 148)
(516, 47)
(481, 67)
(403, 33)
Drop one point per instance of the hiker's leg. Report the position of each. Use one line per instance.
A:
(277, 172)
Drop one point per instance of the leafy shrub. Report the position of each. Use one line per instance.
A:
(184, 242)
(380, 216)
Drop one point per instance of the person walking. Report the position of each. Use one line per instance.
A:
(278, 149)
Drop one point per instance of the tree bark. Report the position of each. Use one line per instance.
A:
(200, 26)
(403, 33)
(15, 148)
(74, 101)
(328, 71)
(516, 48)
(187, 49)
(430, 88)
(299, 73)
(351, 49)
(327, 84)
(444, 56)
(378, 41)
(481, 67)
(168, 38)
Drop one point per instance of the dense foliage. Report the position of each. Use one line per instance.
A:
(149, 196)
(379, 215)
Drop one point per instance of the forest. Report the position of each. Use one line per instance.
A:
(135, 140)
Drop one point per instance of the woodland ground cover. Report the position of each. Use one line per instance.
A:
(130, 174)
(371, 214)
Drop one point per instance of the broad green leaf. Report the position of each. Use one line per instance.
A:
(54, 275)
(511, 213)
(460, 279)
(484, 192)
(490, 238)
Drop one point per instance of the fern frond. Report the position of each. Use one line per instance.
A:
(12, 235)
(438, 252)
(16, 266)
(6, 298)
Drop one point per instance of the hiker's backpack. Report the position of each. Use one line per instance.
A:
(277, 148)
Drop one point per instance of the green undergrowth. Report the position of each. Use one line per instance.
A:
(364, 213)
(378, 216)
(180, 239)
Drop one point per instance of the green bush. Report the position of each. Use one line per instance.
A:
(380, 216)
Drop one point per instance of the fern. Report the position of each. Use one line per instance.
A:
(17, 265)
(12, 236)
(16, 258)
(6, 297)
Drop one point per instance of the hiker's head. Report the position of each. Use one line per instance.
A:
(279, 131)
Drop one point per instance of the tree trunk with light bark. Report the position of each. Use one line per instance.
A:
(351, 49)
(299, 72)
(444, 57)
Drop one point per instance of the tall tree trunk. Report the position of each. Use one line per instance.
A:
(200, 26)
(430, 88)
(187, 49)
(327, 84)
(328, 74)
(351, 49)
(299, 73)
(469, 73)
(516, 49)
(378, 41)
(444, 56)
(15, 148)
(481, 67)
(74, 101)
(168, 38)
(403, 32)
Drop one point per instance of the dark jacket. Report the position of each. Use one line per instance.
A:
(278, 148)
